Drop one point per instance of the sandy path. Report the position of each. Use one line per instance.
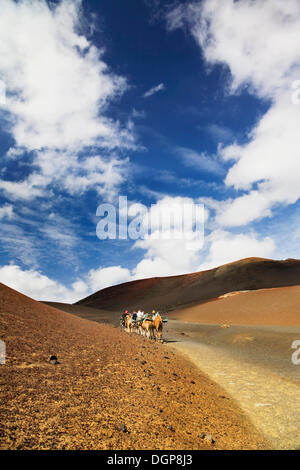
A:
(270, 400)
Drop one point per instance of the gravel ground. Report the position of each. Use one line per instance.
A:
(253, 365)
(109, 390)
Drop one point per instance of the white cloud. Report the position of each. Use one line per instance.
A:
(40, 287)
(200, 161)
(176, 252)
(219, 133)
(60, 236)
(28, 189)
(58, 84)
(258, 41)
(105, 277)
(6, 211)
(154, 90)
(58, 91)
(226, 247)
(37, 286)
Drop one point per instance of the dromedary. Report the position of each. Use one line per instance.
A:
(148, 328)
(128, 323)
(138, 327)
(158, 326)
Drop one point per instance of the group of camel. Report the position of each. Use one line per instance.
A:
(150, 327)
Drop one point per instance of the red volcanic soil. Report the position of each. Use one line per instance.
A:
(110, 390)
(168, 293)
(280, 306)
(88, 313)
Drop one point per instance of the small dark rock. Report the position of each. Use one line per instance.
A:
(171, 428)
(123, 428)
(53, 360)
(193, 382)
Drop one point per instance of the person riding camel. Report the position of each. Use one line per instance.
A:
(134, 316)
(123, 316)
(140, 315)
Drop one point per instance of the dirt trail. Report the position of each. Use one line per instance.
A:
(270, 399)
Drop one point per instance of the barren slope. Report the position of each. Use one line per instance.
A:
(167, 293)
(110, 390)
(88, 313)
(278, 306)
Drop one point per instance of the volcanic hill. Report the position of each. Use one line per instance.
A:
(170, 293)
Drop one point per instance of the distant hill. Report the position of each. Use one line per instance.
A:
(170, 293)
(88, 313)
(277, 306)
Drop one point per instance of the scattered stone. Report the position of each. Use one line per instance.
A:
(193, 382)
(207, 437)
(171, 428)
(161, 410)
(123, 428)
(53, 360)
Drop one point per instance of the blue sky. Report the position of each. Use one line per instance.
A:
(160, 102)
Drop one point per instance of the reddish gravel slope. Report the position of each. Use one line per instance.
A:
(278, 306)
(110, 390)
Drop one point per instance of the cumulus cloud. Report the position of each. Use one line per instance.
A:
(105, 277)
(226, 247)
(154, 90)
(58, 91)
(258, 42)
(177, 227)
(36, 285)
(58, 85)
(40, 287)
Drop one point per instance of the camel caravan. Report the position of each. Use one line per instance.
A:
(145, 324)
